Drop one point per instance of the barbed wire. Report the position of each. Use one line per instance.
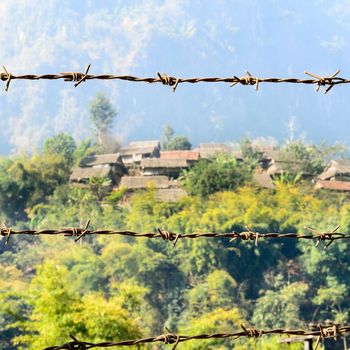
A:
(78, 77)
(174, 339)
(327, 237)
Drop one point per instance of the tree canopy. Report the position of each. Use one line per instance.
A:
(171, 142)
(114, 287)
(102, 115)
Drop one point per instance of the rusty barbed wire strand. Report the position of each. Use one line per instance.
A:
(319, 236)
(78, 77)
(171, 338)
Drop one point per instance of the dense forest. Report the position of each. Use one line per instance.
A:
(113, 288)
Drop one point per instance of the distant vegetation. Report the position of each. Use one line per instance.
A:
(172, 142)
(112, 288)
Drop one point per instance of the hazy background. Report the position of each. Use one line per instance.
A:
(183, 38)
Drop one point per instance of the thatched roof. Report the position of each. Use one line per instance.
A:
(144, 144)
(140, 182)
(278, 156)
(279, 163)
(336, 168)
(129, 152)
(80, 173)
(101, 159)
(163, 163)
(170, 195)
(140, 148)
(213, 145)
(210, 150)
(187, 155)
(333, 185)
(263, 179)
(278, 168)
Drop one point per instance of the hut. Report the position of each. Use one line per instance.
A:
(168, 167)
(138, 150)
(165, 189)
(333, 185)
(211, 150)
(338, 170)
(132, 183)
(277, 163)
(109, 166)
(262, 179)
(190, 156)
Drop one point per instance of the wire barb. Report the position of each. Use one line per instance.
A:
(167, 80)
(7, 77)
(323, 81)
(83, 77)
(170, 236)
(5, 231)
(171, 338)
(326, 236)
(251, 332)
(247, 235)
(84, 231)
(247, 80)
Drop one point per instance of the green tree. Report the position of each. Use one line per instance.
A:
(249, 154)
(309, 159)
(179, 143)
(281, 307)
(20, 187)
(61, 144)
(168, 135)
(58, 311)
(84, 149)
(13, 306)
(102, 115)
(170, 142)
(210, 176)
(99, 186)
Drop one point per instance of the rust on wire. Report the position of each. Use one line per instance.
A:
(174, 339)
(327, 237)
(326, 81)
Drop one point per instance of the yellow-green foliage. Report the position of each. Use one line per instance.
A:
(111, 288)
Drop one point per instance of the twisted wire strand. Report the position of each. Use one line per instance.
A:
(327, 237)
(327, 81)
(170, 338)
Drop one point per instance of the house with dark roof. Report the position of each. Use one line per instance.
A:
(191, 157)
(277, 163)
(160, 166)
(335, 177)
(337, 170)
(165, 190)
(333, 185)
(211, 150)
(109, 166)
(262, 179)
(138, 150)
(82, 175)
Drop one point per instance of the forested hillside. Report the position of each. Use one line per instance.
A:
(112, 288)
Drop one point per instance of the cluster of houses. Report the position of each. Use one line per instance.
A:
(143, 164)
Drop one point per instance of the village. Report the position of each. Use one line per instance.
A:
(143, 164)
